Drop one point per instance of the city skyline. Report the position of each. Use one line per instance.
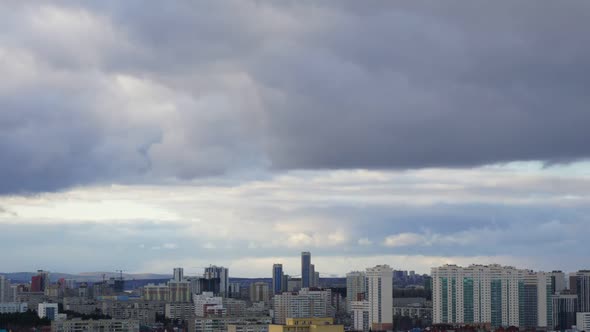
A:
(241, 133)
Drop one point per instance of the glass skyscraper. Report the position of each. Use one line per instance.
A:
(305, 269)
(277, 278)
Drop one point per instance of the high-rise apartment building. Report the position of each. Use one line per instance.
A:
(558, 281)
(535, 300)
(356, 287)
(564, 311)
(305, 269)
(380, 297)
(277, 278)
(582, 289)
(5, 290)
(312, 281)
(307, 303)
(259, 292)
(360, 315)
(491, 294)
(178, 274)
(221, 273)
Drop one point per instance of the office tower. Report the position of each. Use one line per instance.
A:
(285, 283)
(360, 315)
(316, 279)
(380, 297)
(582, 289)
(558, 282)
(178, 274)
(564, 311)
(491, 294)
(277, 278)
(259, 292)
(220, 272)
(356, 287)
(305, 269)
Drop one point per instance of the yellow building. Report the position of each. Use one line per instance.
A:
(307, 325)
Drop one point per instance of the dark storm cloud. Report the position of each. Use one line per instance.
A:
(116, 91)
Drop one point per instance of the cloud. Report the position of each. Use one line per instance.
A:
(193, 90)
(170, 246)
(404, 240)
(364, 241)
(472, 215)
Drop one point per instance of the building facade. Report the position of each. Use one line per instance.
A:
(259, 292)
(564, 311)
(111, 325)
(305, 303)
(356, 287)
(305, 269)
(491, 294)
(380, 297)
(218, 272)
(360, 315)
(277, 279)
(583, 321)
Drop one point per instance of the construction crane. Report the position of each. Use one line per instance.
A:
(120, 274)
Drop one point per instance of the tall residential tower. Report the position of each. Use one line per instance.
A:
(380, 297)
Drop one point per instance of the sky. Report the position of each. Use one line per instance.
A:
(143, 137)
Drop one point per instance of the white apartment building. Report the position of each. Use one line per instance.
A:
(47, 310)
(13, 307)
(306, 303)
(360, 315)
(380, 296)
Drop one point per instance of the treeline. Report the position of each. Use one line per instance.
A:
(411, 292)
(93, 316)
(16, 321)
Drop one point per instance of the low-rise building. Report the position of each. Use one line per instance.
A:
(47, 310)
(247, 327)
(111, 325)
(316, 324)
(220, 324)
(180, 310)
(13, 307)
(583, 321)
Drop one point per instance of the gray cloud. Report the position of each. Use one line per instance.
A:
(117, 91)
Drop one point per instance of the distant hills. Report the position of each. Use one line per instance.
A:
(141, 278)
(16, 277)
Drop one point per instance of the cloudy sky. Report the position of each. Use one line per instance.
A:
(187, 133)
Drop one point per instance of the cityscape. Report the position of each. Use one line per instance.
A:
(452, 298)
(294, 166)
